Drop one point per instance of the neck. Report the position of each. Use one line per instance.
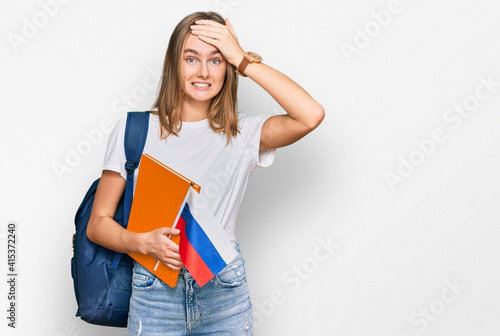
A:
(195, 110)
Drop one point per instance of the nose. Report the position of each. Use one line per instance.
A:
(203, 70)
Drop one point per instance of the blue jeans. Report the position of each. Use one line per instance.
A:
(221, 307)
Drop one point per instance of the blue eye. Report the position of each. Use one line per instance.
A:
(215, 61)
(190, 60)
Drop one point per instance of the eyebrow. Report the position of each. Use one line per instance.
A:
(216, 51)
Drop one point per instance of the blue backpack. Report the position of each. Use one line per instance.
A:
(102, 278)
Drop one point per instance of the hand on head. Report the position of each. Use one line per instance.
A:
(223, 37)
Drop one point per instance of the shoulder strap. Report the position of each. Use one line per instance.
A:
(136, 133)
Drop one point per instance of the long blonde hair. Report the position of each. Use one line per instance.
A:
(222, 115)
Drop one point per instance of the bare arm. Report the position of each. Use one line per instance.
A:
(304, 114)
(102, 229)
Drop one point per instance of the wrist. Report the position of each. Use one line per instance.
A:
(237, 60)
(248, 58)
(138, 242)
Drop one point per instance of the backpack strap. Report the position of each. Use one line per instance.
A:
(136, 133)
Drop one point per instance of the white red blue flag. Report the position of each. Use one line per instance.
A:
(204, 247)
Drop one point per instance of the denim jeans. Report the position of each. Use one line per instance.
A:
(221, 307)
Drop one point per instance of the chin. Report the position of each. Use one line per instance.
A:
(201, 96)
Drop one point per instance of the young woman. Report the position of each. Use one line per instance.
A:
(196, 130)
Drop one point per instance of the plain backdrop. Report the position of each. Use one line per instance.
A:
(384, 221)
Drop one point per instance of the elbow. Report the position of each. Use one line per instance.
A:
(316, 117)
(320, 115)
(91, 235)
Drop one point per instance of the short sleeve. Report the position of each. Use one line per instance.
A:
(114, 157)
(251, 128)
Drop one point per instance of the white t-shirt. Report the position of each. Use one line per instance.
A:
(202, 156)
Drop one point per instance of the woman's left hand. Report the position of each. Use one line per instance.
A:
(220, 36)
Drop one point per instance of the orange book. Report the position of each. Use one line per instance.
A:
(159, 195)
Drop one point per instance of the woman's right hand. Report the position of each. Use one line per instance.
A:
(162, 248)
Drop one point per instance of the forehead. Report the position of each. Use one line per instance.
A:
(193, 42)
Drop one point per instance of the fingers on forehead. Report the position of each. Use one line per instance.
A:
(207, 22)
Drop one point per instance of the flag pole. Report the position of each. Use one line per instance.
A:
(177, 218)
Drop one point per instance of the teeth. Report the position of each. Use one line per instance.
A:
(201, 85)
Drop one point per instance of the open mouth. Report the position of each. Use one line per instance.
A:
(201, 85)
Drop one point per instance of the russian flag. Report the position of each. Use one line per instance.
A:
(204, 247)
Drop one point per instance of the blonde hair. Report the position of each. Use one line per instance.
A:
(222, 115)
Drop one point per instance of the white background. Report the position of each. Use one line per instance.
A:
(397, 251)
